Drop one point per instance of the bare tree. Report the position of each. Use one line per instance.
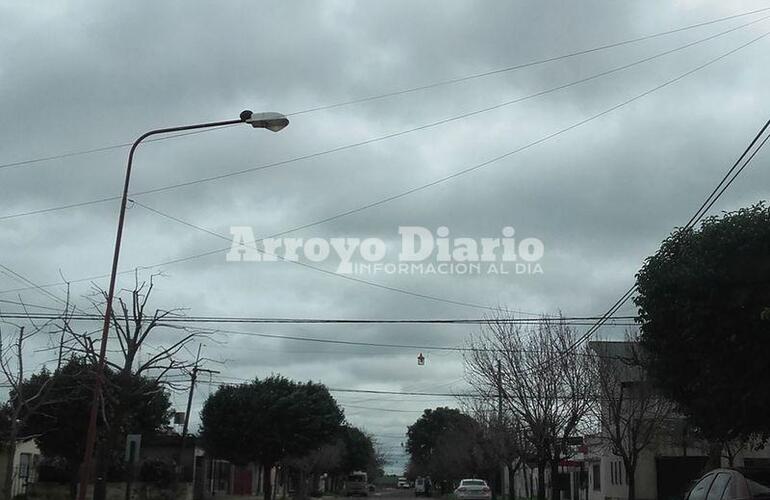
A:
(543, 379)
(24, 403)
(134, 324)
(508, 442)
(629, 411)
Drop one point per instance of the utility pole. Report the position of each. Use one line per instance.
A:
(270, 121)
(193, 377)
(500, 422)
(499, 394)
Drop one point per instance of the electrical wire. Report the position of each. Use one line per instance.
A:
(410, 89)
(571, 320)
(463, 172)
(746, 157)
(447, 178)
(412, 347)
(373, 140)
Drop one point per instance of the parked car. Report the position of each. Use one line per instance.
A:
(473, 489)
(356, 484)
(732, 484)
(403, 483)
(423, 487)
(370, 487)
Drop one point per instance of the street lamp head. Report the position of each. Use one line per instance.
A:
(271, 121)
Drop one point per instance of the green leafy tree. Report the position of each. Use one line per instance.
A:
(62, 427)
(701, 300)
(359, 452)
(268, 420)
(352, 450)
(442, 444)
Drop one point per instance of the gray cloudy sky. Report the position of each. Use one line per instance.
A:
(82, 75)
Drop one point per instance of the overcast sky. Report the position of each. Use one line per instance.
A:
(81, 75)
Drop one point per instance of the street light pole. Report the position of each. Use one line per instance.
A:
(270, 121)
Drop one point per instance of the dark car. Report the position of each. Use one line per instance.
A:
(732, 484)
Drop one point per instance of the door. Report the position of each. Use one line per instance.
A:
(242, 480)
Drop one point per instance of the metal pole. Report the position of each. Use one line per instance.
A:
(500, 422)
(91, 434)
(499, 393)
(193, 379)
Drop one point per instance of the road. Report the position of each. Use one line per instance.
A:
(401, 494)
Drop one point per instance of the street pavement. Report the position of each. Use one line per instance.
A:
(401, 494)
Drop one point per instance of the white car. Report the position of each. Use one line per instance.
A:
(473, 489)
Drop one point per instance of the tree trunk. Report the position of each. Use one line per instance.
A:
(104, 455)
(630, 467)
(301, 493)
(527, 474)
(314, 482)
(10, 450)
(512, 470)
(100, 481)
(631, 480)
(541, 481)
(76, 472)
(715, 456)
(554, 479)
(267, 481)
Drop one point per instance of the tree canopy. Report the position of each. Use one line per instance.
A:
(267, 420)
(701, 301)
(447, 444)
(61, 428)
(358, 451)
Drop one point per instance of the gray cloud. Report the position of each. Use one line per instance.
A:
(601, 197)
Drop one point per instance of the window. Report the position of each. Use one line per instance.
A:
(616, 472)
(597, 475)
(718, 487)
(24, 462)
(701, 488)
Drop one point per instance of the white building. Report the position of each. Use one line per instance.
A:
(671, 461)
(665, 468)
(25, 461)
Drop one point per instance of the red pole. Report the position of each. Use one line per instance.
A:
(91, 434)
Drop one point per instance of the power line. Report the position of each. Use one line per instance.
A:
(388, 410)
(410, 89)
(717, 193)
(520, 66)
(275, 336)
(466, 171)
(33, 285)
(697, 217)
(439, 181)
(373, 140)
(322, 270)
(462, 172)
(571, 320)
(564, 397)
(82, 152)
(26, 305)
(415, 347)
